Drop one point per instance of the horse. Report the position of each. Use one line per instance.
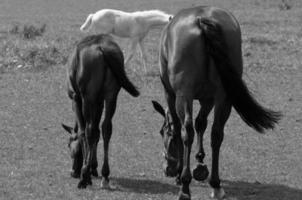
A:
(95, 76)
(201, 59)
(132, 25)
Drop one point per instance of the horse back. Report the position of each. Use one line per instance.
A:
(188, 68)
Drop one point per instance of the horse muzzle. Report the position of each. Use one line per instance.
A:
(170, 172)
(74, 174)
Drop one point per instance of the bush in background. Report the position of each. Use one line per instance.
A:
(28, 47)
(28, 32)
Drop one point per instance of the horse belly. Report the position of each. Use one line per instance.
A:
(125, 27)
(104, 27)
(204, 90)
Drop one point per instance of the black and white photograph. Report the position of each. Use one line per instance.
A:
(150, 99)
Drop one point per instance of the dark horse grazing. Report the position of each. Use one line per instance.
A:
(95, 76)
(201, 58)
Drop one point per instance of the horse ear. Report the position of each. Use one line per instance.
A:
(158, 108)
(67, 128)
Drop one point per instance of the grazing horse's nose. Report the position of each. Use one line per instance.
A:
(74, 174)
(169, 171)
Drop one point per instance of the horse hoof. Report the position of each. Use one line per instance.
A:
(94, 173)
(105, 184)
(183, 196)
(201, 172)
(74, 174)
(217, 193)
(82, 184)
(89, 182)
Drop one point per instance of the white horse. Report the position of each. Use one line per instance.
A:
(134, 25)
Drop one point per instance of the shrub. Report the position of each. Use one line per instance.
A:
(28, 31)
(31, 32)
(43, 56)
(284, 5)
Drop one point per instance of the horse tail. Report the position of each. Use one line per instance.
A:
(87, 23)
(251, 112)
(117, 67)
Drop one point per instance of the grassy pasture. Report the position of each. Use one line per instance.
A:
(34, 160)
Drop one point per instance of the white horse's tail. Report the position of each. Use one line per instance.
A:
(87, 23)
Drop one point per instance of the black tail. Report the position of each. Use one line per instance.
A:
(252, 113)
(116, 65)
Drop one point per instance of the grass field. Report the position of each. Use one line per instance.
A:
(34, 159)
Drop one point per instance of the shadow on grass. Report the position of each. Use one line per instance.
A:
(256, 191)
(144, 186)
(235, 190)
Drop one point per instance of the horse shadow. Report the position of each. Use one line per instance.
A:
(143, 186)
(240, 190)
(235, 190)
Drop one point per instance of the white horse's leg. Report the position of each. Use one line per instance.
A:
(143, 53)
(217, 194)
(131, 50)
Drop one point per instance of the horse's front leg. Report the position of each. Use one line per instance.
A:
(221, 114)
(201, 172)
(143, 53)
(79, 159)
(184, 112)
(131, 50)
(110, 106)
(177, 131)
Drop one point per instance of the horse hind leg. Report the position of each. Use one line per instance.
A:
(110, 106)
(201, 172)
(184, 111)
(92, 114)
(94, 164)
(221, 114)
